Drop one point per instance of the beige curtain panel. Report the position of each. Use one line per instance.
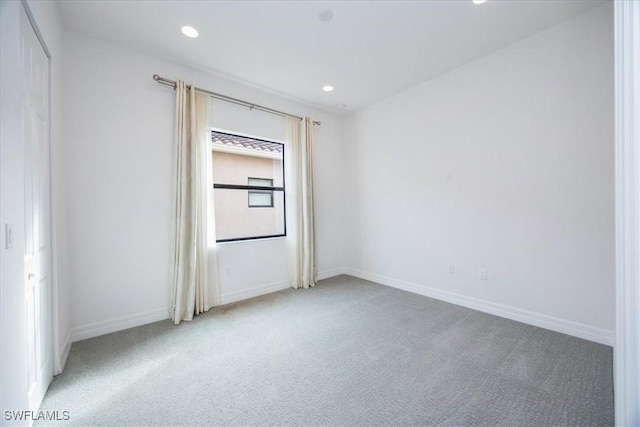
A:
(189, 248)
(303, 271)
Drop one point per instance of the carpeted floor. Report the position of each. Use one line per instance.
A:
(347, 352)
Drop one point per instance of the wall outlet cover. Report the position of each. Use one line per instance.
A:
(8, 236)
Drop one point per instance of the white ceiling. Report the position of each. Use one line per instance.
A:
(369, 50)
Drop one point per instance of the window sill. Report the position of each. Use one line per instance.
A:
(261, 239)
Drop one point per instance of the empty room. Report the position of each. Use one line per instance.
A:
(336, 213)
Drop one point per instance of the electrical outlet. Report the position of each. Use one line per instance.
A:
(8, 236)
(452, 269)
(482, 273)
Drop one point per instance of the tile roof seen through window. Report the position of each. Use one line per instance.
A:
(245, 142)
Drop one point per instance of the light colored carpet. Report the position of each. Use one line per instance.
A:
(347, 352)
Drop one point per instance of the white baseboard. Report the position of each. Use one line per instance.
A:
(256, 291)
(331, 273)
(118, 324)
(129, 321)
(229, 297)
(64, 353)
(575, 329)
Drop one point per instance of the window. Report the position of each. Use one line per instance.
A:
(248, 186)
(260, 198)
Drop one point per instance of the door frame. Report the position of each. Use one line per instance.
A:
(627, 152)
(57, 368)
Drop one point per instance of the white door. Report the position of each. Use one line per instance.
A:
(37, 256)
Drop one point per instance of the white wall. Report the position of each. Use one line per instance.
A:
(119, 125)
(506, 164)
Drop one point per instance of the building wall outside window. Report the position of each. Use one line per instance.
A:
(233, 216)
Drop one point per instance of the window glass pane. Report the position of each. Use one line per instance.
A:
(237, 158)
(235, 219)
(260, 198)
(244, 161)
(234, 169)
(261, 182)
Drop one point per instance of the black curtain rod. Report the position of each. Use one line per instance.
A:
(236, 101)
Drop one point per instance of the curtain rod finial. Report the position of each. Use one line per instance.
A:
(156, 77)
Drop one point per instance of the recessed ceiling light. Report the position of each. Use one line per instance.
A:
(479, 1)
(327, 88)
(189, 31)
(326, 15)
